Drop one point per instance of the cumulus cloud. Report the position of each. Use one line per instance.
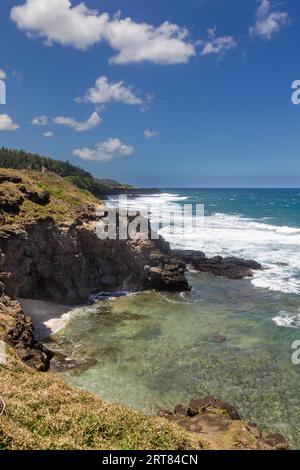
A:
(150, 134)
(57, 21)
(48, 134)
(40, 121)
(87, 125)
(7, 124)
(104, 92)
(268, 20)
(218, 45)
(2, 75)
(78, 26)
(137, 42)
(105, 151)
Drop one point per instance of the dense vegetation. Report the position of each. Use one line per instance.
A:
(21, 160)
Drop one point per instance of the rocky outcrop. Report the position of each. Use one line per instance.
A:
(66, 264)
(221, 426)
(49, 250)
(17, 330)
(231, 267)
(13, 194)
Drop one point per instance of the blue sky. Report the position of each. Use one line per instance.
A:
(213, 91)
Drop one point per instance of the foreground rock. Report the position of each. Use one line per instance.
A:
(17, 330)
(219, 424)
(231, 267)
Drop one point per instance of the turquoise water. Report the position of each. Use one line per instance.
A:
(229, 338)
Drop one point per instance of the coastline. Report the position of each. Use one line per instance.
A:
(155, 266)
(48, 317)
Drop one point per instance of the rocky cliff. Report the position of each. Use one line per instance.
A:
(49, 250)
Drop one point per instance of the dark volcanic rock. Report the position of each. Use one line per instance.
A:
(196, 406)
(231, 267)
(277, 441)
(220, 425)
(11, 200)
(10, 179)
(66, 264)
(17, 330)
(41, 198)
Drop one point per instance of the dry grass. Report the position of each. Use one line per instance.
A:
(42, 412)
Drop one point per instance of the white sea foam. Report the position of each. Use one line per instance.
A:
(287, 320)
(276, 247)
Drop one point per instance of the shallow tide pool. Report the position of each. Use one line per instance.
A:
(150, 350)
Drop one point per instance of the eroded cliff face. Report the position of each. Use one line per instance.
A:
(67, 264)
(49, 248)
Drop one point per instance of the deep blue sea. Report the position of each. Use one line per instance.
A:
(150, 350)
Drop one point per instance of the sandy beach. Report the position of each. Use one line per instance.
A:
(48, 317)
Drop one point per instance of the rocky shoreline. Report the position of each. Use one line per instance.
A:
(66, 262)
(231, 267)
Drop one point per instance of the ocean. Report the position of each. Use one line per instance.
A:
(232, 339)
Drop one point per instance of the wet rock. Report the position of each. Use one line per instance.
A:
(167, 414)
(180, 410)
(277, 441)
(220, 426)
(198, 405)
(231, 267)
(37, 357)
(61, 362)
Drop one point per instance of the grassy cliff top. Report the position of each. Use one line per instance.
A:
(42, 412)
(26, 196)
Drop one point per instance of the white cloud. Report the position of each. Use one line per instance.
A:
(48, 134)
(7, 124)
(2, 75)
(105, 151)
(87, 125)
(268, 20)
(105, 92)
(218, 45)
(78, 26)
(137, 42)
(58, 21)
(40, 121)
(150, 134)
